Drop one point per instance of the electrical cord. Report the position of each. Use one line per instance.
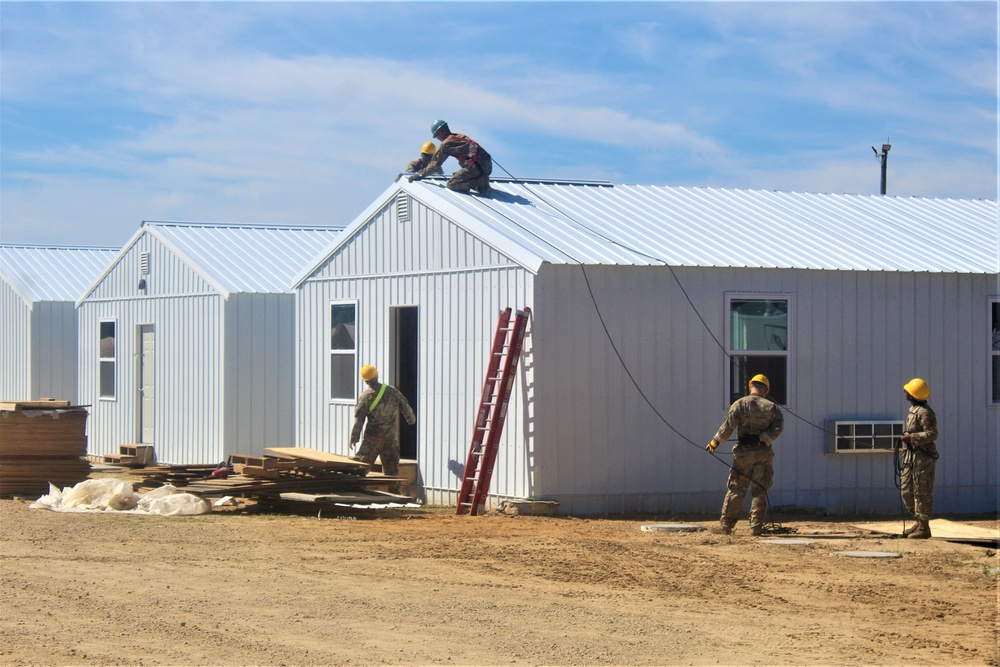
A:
(771, 526)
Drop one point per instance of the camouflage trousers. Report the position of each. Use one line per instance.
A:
(387, 449)
(917, 483)
(756, 463)
(474, 176)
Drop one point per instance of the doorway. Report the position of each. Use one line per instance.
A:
(404, 337)
(147, 388)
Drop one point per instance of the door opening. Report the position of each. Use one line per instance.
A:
(147, 389)
(405, 344)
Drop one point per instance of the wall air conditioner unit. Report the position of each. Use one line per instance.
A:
(863, 436)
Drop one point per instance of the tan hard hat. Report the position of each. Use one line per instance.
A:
(368, 372)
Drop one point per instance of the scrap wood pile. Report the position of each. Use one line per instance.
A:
(293, 474)
(41, 442)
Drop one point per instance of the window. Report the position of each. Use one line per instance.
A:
(995, 350)
(758, 343)
(106, 361)
(343, 351)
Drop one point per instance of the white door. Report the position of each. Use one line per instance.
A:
(147, 392)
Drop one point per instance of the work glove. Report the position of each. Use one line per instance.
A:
(414, 177)
(710, 447)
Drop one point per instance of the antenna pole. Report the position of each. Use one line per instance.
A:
(883, 159)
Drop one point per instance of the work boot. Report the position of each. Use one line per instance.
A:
(721, 529)
(922, 532)
(756, 531)
(909, 531)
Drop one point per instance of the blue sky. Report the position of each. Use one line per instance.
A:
(304, 112)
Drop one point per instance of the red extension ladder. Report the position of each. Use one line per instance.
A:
(507, 344)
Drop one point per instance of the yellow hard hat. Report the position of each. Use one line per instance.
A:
(428, 148)
(368, 373)
(760, 377)
(918, 389)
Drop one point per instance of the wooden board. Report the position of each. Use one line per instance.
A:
(45, 404)
(312, 455)
(943, 529)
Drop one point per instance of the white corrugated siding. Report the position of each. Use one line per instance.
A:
(224, 358)
(459, 286)
(38, 326)
(15, 345)
(856, 338)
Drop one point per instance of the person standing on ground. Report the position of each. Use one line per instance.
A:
(758, 422)
(920, 457)
(476, 165)
(427, 151)
(377, 412)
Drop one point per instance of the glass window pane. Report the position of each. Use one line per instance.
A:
(759, 324)
(996, 327)
(996, 379)
(107, 340)
(342, 327)
(107, 379)
(342, 376)
(745, 367)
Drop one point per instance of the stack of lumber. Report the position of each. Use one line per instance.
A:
(41, 442)
(282, 473)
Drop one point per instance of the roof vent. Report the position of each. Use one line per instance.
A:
(402, 207)
(144, 264)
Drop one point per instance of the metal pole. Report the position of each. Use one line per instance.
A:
(884, 159)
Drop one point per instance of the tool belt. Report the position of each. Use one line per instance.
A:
(750, 440)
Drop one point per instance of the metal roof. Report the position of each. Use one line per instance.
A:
(240, 257)
(52, 273)
(603, 223)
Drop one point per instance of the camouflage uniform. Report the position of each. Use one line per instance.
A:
(476, 164)
(381, 432)
(413, 166)
(759, 422)
(919, 462)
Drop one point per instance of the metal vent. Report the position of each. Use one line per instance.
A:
(402, 207)
(144, 263)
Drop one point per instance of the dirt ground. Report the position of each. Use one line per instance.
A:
(425, 587)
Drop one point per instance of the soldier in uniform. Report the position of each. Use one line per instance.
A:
(758, 422)
(919, 459)
(378, 411)
(476, 163)
(427, 151)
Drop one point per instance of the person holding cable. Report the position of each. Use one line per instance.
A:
(758, 422)
(920, 455)
(476, 165)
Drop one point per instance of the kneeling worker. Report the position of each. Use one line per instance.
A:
(427, 151)
(476, 163)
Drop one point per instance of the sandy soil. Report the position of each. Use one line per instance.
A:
(253, 587)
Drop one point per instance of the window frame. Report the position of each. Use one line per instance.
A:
(731, 353)
(103, 361)
(993, 349)
(332, 352)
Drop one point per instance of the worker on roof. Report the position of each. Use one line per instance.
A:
(920, 455)
(377, 412)
(427, 151)
(758, 422)
(476, 165)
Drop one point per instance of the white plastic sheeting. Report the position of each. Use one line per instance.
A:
(113, 495)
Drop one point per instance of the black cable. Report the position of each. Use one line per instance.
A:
(773, 526)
